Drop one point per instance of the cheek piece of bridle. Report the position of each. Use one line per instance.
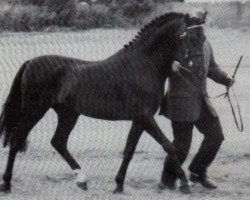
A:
(238, 122)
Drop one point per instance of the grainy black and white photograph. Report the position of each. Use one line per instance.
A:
(124, 99)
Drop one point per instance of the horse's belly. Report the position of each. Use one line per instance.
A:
(113, 107)
(110, 110)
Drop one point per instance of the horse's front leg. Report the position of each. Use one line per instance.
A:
(154, 130)
(133, 138)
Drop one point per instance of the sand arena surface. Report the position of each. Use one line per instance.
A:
(97, 145)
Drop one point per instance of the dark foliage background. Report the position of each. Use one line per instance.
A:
(39, 15)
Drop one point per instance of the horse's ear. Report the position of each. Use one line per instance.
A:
(204, 16)
(187, 18)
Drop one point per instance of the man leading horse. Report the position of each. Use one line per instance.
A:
(187, 105)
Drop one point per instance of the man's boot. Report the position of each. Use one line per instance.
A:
(203, 180)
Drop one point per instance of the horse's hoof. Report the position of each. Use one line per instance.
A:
(185, 189)
(4, 188)
(82, 185)
(118, 190)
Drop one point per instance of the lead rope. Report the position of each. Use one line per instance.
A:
(196, 88)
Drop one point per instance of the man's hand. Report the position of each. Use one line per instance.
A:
(231, 82)
(176, 66)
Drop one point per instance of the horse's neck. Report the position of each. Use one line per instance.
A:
(137, 58)
(162, 64)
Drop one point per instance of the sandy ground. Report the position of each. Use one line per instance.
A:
(40, 173)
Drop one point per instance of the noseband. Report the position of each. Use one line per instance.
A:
(195, 26)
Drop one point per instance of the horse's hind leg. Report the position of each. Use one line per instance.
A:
(26, 123)
(66, 121)
(133, 138)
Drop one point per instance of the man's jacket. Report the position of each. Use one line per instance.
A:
(187, 92)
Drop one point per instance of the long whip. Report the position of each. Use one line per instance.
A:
(239, 124)
(235, 71)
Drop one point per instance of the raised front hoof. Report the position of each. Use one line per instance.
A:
(118, 190)
(185, 189)
(4, 188)
(82, 185)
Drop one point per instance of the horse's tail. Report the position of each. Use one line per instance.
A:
(11, 111)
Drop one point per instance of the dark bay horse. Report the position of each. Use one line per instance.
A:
(129, 85)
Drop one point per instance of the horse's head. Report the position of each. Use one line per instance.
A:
(165, 39)
(169, 40)
(193, 41)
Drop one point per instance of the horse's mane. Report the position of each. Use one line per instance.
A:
(157, 22)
